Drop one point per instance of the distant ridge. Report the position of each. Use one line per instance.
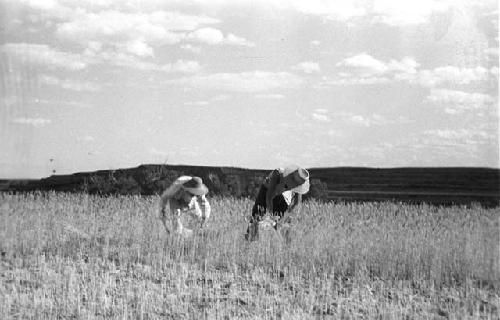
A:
(436, 185)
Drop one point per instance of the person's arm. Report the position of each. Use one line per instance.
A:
(206, 210)
(199, 207)
(296, 200)
(176, 218)
(271, 190)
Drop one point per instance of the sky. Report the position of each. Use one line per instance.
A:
(90, 85)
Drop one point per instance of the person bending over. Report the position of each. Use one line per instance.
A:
(279, 195)
(186, 195)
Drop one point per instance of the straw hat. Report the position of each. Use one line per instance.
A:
(300, 175)
(194, 185)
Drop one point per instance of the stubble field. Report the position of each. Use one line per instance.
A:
(80, 256)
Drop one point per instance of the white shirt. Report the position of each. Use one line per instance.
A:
(173, 198)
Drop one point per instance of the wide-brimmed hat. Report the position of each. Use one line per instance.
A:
(195, 186)
(300, 175)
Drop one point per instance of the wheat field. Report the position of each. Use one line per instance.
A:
(90, 257)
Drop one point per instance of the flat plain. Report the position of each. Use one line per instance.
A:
(70, 255)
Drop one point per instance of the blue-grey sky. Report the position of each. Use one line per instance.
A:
(104, 84)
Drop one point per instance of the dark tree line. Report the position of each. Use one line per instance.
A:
(149, 181)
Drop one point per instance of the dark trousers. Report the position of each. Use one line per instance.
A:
(259, 210)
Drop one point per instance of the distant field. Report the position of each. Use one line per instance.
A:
(80, 256)
(485, 198)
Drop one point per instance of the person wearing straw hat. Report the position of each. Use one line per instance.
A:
(187, 194)
(279, 195)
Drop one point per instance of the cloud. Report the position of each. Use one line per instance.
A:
(447, 75)
(207, 35)
(364, 61)
(202, 103)
(453, 137)
(307, 67)
(189, 47)
(274, 96)
(238, 41)
(254, 81)
(320, 117)
(36, 122)
(365, 69)
(138, 32)
(348, 80)
(220, 97)
(368, 65)
(182, 66)
(69, 84)
(370, 120)
(113, 26)
(390, 12)
(86, 139)
(457, 101)
(43, 55)
(139, 48)
(407, 12)
(334, 10)
(131, 61)
(214, 36)
(197, 103)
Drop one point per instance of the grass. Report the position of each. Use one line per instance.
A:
(81, 256)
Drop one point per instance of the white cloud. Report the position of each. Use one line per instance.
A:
(349, 80)
(364, 61)
(238, 41)
(407, 12)
(365, 69)
(182, 66)
(465, 136)
(274, 96)
(86, 138)
(113, 26)
(368, 65)
(315, 43)
(43, 55)
(456, 102)
(69, 84)
(207, 35)
(220, 97)
(470, 100)
(320, 117)
(197, 103)
(337, 10)
(132, 61)
(139, 48)
(189, 47)
(307, 67)
(370, 120)
(255, 81)
(447, 75)
(214, 36)
(202, 103)
(37, 122)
